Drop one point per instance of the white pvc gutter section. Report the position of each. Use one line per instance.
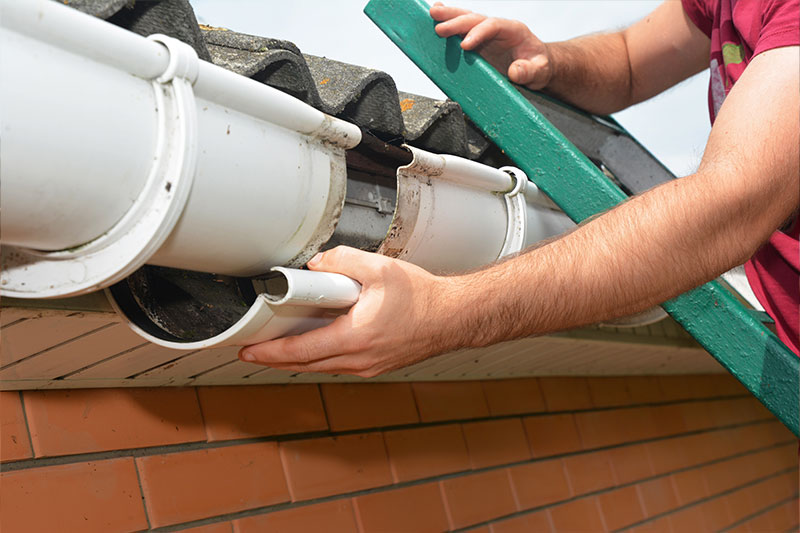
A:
(140, 153)
(106, 157)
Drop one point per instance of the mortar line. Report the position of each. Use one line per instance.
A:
(436, 479)
(592, 494)
(759, 512)
(141, 493)
(706, 499)
(27, 425)
(191, 446)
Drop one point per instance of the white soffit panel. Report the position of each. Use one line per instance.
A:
(89, 347)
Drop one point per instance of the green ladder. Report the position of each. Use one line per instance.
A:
(711, 314)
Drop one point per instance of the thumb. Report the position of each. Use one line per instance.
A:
(521, 71)
(351, 262)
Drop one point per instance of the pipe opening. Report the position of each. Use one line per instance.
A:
(276, 286)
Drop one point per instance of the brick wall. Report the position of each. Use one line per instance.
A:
(688, 453)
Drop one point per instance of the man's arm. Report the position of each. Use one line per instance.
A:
(601, 73)
(645, 251)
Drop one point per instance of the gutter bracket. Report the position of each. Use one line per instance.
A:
(517, 228)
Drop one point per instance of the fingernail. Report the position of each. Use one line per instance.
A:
(314, 260)
(248, 356)
(467, 40)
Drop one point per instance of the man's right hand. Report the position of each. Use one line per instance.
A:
(507, 44)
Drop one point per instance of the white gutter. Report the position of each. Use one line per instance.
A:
(144, 154)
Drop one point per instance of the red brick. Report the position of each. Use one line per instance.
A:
(700, 448)
(540, 483)
(674, 388)
(527, 523)
(727, 385)
(418, 508)
(742, 503)
(579, 515)
(779, 433)
(88, 497)
(783, 517)
(496, 442)
(668, 420)
(14, 441)
(687, 520)
(696, 415)
(368, 405)
(657, 496)
(609, 392)
(566, 394)
(513, 396)
(630, 463)
(552, 434)
(621, 507)
(331, 517)
(335, 465)
(92, 420)
(715, 514)
(669, 455)
(221, 527)
(606, 428)
(701, 386)
(644, 389)
(660, 525)
(426, 452)
(689, 486)
(477, 498)
(727, 475)
(454, 400)
(253, 411)
(185, 486)
(589, 472)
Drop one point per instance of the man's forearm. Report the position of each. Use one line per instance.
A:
(604, 73)
(591, 72)
(640, 254)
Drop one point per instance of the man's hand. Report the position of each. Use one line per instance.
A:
(600, 73)
(507, 44)
(397, 321)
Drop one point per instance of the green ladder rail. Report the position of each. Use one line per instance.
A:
(711, 314)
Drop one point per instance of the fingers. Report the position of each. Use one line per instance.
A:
(350, 262)
(334, 349)
(334, 339)
(358, 365)
(441, 12)
(459, 25)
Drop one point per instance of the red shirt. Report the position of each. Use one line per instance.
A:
(739, 30)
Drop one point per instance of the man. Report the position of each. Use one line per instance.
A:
(645, 251)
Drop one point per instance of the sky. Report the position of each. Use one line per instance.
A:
(674, 126)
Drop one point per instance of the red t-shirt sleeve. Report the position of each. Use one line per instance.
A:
(700, 12)
(780, 25)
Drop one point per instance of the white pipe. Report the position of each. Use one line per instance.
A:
(248, 96)
(292, 286)
(86, 36)
(459, 170)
